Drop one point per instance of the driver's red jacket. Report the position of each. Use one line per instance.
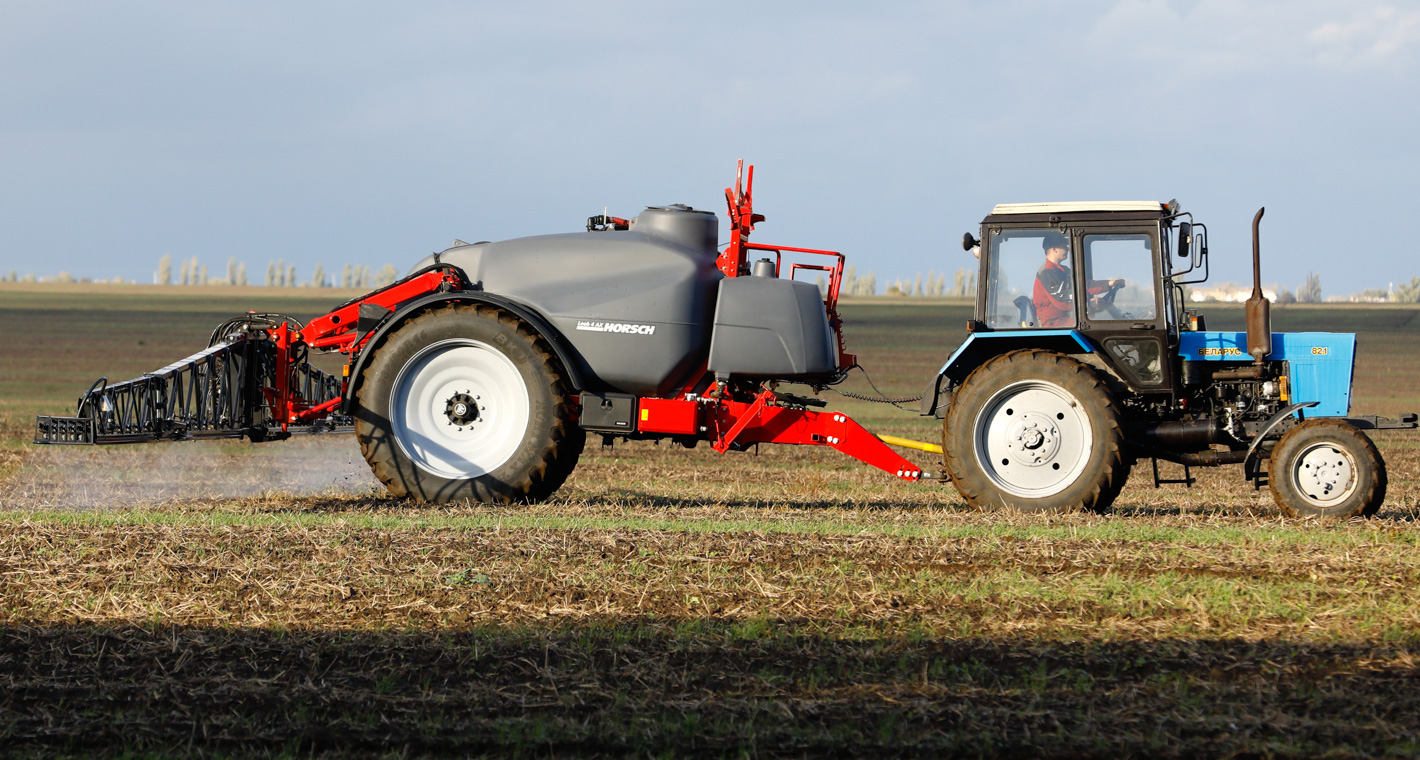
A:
(1054, 294)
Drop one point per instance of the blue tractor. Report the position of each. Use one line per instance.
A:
(1083, 359)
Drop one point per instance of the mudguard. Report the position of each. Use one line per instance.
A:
(1251, 463)
(571, 360)
(981, 346)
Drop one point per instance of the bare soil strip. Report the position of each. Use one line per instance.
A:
(285, 640)
(334, 576)
(615, 688)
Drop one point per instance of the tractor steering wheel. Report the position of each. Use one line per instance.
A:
(1104, 302)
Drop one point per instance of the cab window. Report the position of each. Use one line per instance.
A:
(1119, 274)
(1029, 282)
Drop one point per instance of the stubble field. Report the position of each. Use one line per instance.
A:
(225, 599)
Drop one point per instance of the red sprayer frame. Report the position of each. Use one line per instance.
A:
(734, 262)
(729, 423)
(339, 331)
(710, 414)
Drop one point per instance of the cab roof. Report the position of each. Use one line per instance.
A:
(1075, 207)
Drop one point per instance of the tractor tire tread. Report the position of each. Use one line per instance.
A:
(1374, 492)
(1116, 465)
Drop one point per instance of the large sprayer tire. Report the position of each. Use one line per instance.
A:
(1327, 468)
(467, 402)
(1037, 431)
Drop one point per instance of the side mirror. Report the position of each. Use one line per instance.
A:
(968, 242)
(1185, 239)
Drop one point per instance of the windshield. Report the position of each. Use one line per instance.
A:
(1120, 274)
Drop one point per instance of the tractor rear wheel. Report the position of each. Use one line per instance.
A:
(1037, 431)
(1327, 468)
(467, 402)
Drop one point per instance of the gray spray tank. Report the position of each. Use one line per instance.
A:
(638, 305)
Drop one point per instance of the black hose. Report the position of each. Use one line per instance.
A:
(882, 397)
(267, 320)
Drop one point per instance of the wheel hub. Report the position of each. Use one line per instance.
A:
(1033, 440)
(459, 409)
(462, 409)
(1325, 474)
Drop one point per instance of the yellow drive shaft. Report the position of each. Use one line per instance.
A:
(910, 444)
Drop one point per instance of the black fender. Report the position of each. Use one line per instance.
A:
(1252, 463)
(577, 370)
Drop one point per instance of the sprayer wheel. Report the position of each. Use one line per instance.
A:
(467, 402)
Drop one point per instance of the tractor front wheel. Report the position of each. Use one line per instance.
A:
(1327, 468)
(467, 403)
(1037, 431)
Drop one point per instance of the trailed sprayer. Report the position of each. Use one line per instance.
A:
(480, 374)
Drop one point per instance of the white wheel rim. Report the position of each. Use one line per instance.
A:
(1033, 439)
(1325, 474)
(434, 389)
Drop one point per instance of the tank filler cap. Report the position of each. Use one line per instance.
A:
(679, 207)
(763, 268)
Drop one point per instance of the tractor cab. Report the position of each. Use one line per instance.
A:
(1093, 273)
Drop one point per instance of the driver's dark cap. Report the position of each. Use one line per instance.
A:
(1053, 240)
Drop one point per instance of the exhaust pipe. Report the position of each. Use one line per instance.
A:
(1259, 309)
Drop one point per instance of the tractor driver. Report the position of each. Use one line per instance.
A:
(1054, 286)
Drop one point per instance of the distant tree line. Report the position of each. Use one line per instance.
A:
(1408, 292)
(853, 285)
(13, 276)
(1309, 292)
(963, 284)
(279, 274)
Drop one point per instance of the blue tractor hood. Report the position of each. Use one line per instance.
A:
(1320, 365)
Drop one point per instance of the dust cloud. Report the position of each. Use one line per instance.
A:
(126, 476)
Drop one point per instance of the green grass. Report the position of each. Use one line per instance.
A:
(1040, 588)
(1274, 534)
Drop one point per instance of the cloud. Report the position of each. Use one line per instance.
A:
(1374, 37)
(1211, 38)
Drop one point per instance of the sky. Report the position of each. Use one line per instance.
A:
(375, 133)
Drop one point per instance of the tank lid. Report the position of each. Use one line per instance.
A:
(679, 207)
